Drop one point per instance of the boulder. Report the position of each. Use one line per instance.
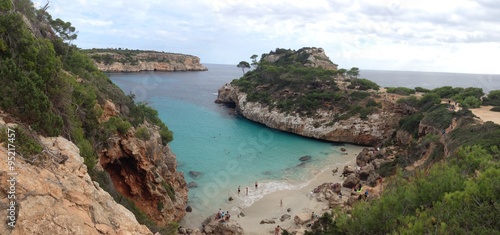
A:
(242, 214)
(192, 184)
(350, 181)
(366, 171)
(348, 170)
(305, 158)
(189, 209)
(302, 218)
(364, 157)
(194, 174)
(267, 221)
(336, 188)
(285, 217)
(182, 230)
(212, 226)
(289, 209)
(343, 149)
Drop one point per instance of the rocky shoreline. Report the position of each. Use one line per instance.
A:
(120, 61)
(372, 131)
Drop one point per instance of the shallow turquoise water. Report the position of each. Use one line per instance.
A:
(228, 150)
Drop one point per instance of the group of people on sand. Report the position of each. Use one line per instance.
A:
(222, 216)
(256, 186)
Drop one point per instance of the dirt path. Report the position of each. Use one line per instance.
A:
(486, 115)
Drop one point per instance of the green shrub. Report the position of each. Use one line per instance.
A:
(493, 98)
(421, 89)
(363, 84)
(142, 133)
(401, 90)
(170, 190)
(123, 127)
(439, 117)
(471, 102)
(411, 123)
(23, 142)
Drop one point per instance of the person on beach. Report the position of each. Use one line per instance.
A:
(277, 230)
(219, 214)
(281, 202)
(247, 191)
(227, 216)
(256, 185)
(239, 189)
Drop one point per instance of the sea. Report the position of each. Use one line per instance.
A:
(220, 151)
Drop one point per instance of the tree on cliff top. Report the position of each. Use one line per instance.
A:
(243, 65)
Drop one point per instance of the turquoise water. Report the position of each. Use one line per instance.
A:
(228, 150)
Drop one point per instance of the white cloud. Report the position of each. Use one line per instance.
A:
(428, 35)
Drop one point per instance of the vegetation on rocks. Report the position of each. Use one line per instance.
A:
(454, 193)
(53, 88)
(291, 84)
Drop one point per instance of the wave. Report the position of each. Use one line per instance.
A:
(264, 188)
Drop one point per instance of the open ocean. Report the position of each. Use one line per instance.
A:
(230, 151)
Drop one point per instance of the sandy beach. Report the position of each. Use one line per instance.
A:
(485, 114)
(298, 200)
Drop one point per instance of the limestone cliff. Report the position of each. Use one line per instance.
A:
(135, 61)
(144, 170)
(301, 91)
(59, 197)
(371, 131)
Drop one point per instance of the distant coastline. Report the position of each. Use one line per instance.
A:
(125, 60)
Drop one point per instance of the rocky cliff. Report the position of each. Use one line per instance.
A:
(135, 61)
(144, 170)
(59, 197)
(370, 131)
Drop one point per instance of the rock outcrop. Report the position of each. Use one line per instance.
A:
(60, 198)
(316, 57)
(145, 171)
(373, 130)
(213, 226)
(120, 61)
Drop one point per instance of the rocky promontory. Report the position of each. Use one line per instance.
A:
(292, 92)
(144, 170)
(54, 194)
(110, 60)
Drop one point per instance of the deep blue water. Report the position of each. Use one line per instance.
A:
(230, 151)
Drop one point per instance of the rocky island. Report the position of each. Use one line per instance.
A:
(118, 60)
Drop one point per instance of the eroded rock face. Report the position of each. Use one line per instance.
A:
(152, 61)
(145, 171)
(60, 198)
(372, 131)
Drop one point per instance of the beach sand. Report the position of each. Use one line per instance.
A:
(298, 200)
(486, 115)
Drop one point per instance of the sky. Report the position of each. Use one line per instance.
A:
(460, 36)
